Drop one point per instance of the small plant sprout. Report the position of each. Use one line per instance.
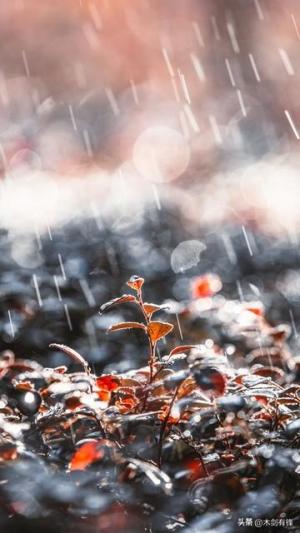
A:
(154, 330)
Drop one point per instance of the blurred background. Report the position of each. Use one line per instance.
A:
(149, 137)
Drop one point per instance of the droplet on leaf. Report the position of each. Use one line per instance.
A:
(28, 401)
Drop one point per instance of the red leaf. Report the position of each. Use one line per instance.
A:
(261, 399)
(210, 379)
(108, 382)
(106, 385)
(73, 402)
(195, 469)
(126, 325)
(104, 395)
(269, 371)
(205, 286)
(255, 307)
(157, 330)
(135, 282)
(263, 415)
(116, 301)
(126, 404)
(88, 453)
(8, 451)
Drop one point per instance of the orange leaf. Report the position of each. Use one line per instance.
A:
(151, 308)
(24, 385)
(157, 330)
(126, 325)
(135, 282)
(88, 453)
(121, 300)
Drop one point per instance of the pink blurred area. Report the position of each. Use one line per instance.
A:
(194, 92)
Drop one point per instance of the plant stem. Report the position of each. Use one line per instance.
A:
(152, 346)
(164, 425)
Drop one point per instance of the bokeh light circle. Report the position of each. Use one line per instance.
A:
(161, 154)
(186, 255)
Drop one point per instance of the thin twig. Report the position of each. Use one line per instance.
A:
(164, 425)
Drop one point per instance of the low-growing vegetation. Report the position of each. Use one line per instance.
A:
(204, 436)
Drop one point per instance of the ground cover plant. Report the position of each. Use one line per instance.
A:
(205, 436)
